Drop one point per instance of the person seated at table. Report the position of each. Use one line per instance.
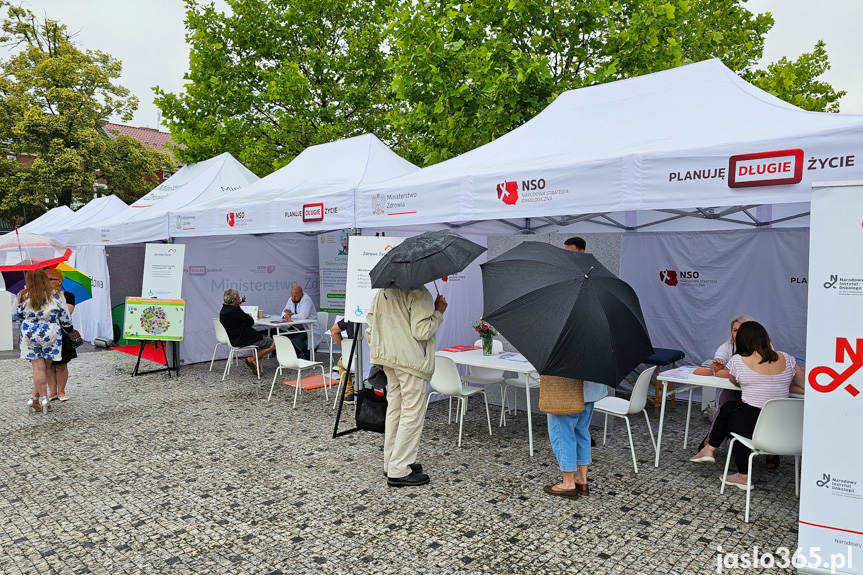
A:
(761, 374)
(349, 329)
(238, 324)
(300, 306)
(726, 350)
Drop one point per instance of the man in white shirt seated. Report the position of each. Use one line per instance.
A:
(300, 306)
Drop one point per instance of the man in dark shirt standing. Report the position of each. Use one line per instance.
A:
(239, 324)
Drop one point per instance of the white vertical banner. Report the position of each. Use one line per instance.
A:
(92, 318)
(333, 269)
(365, 252)
(163, 271)
(831, 496)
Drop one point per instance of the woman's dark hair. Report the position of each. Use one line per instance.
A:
(752, 337)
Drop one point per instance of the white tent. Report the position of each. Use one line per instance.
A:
(314, 192)
(687, 138)
(47, 220)
(96, 210)
(147, 219)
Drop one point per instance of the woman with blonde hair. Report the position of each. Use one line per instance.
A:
(60, 367)
(41, 314)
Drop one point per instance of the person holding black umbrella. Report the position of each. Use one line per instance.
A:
(403, 321)
(401, 336)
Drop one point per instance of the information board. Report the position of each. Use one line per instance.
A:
(364, 254)
(154, 319)
(163, 270)
(333, 270)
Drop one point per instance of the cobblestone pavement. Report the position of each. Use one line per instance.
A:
(196, 475)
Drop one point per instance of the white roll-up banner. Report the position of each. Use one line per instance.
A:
(831, 489)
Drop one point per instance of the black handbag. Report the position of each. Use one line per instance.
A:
(371, 402)
(74, 337)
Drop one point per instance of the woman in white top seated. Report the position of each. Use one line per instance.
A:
(761, 374)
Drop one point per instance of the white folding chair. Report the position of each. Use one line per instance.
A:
(778, 431)
(222, 339)
(619, 407)
(347, 351)
(286, 355)
(447, 382)
(516, 384)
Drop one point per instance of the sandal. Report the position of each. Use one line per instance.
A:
(772, 462)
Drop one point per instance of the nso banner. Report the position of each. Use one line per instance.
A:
(831, 495)
(333, 269)
(691, 285)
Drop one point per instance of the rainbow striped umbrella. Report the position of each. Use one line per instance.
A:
(76, 282)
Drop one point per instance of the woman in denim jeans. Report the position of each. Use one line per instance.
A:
(570, 440)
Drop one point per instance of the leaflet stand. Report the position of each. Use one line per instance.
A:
(158, 344)
(359, 374)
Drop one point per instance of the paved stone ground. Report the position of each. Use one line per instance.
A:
(196, 475)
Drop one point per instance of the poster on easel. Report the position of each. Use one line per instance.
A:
(148, 319)
(163, 271)
(365, 253)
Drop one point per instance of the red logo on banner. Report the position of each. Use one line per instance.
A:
(669, 277)
(507, 192)
(765, 169)
(843, 348)
(313, 212)
(445, 279)
(231, 219)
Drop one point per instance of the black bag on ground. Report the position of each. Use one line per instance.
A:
(371, 402)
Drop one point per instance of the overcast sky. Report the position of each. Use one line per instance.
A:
(148, 36)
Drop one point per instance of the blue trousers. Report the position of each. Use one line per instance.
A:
(570, 438)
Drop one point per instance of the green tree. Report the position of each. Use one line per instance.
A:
(275, 77)
(436, 78)
(54, 99)
(465, 74)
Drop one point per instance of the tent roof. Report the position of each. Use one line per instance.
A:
(147, 218)
(47, 220)
(325, 175)
(94, 211)
(625, 145)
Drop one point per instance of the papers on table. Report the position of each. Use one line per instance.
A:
(680, 372)
(513, 357)
(279, 321)
(461, 348)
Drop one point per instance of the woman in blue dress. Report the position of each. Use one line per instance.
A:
(41, 314)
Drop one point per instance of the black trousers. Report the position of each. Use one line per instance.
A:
(735, 417)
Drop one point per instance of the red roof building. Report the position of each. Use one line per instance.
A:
(148, 136)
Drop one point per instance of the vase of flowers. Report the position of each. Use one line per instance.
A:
(486, 334)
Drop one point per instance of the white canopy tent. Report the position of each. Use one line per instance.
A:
(47, 220)
(314, 192)
(683, 141)
(96, 210)
(147, 219)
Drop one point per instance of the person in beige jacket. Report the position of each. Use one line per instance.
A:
(401, 337)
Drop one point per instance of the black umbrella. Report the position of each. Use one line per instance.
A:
(565, 312)
(424, 258)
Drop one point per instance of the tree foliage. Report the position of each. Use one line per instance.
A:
(275, 77)
(55, 98)
(436, 78)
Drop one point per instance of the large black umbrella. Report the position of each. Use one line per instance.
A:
(424, 258)
(565, 312)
